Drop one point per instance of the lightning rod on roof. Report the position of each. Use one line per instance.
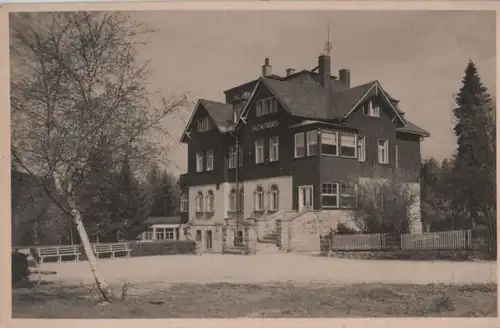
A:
(328, 44)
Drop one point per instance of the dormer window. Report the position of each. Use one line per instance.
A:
(266, 106)
(203, 124)
(371, 109)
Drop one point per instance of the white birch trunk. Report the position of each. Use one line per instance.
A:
(103, 288)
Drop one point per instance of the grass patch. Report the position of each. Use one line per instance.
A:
(224, 300)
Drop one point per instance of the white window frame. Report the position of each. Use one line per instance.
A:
(302, 144)
(210, 201)
(210, 160)
(199, 202)
(184, 201)
(383, 151)
(346, 195)
(233, 200)
(371, 110)
(259, 151)
(232, 157)
(337, 194)
(313, 134)
(274, 149)
(335, 135)
(203, 124)
(266, 106)
(161, 233)
(200, 161)
(354, 145)
(148, 234)
(259, 199)
(169, 233)
(362, 149)
(274, 198)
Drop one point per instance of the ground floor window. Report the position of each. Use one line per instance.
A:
(209, 239)
(347, 195)
(329, 195)
(165, 234)
(198, 235)
(238, 237)
(148, 234)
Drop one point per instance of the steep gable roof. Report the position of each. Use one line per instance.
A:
(220, 113)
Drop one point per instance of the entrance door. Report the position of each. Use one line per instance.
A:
(305, 197)
(209, 239)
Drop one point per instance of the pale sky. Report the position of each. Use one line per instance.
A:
(418, 57)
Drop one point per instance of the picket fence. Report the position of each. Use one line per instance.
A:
(443, 240)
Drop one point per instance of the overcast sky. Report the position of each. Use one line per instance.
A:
(418, 57)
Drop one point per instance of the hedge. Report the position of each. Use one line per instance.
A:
(20, 268)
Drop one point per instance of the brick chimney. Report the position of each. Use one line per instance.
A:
(324, 70)
(345, 76)
(290, 71)
(266, 68)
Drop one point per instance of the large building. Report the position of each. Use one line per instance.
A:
(282, 145)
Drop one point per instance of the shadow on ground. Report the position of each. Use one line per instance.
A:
(224, 300)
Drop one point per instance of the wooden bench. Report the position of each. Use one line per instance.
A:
(111, 248)
(59, 252)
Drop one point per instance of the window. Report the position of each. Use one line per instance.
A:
(259, 151)
(396, 155)
(383, 151)
(169, 233)
(274, 149)
(312, 142)
(329, 143)
(232, 201)
(165, 233)
(274, 198)
(330, 194)
(232, 157)
(266, 106)
(347, 195)
(148, 234)
(371, 109)
(199, 202)
(198, 235)
(300, 150)
(240, 157)
(210, 201)
(200, 163)
(210, 160)
(241, 200)
(203, 124)
(184, 201)
(259, 199)
(209, 239)
(348, 145)
(362, 149)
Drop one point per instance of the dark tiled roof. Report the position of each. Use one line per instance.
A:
(162, 220)
(413, 128)
(221, 113)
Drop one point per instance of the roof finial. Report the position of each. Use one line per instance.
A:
(328, 44)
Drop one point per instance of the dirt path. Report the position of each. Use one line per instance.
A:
(211, 268)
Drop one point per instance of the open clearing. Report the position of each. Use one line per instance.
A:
(283, 285)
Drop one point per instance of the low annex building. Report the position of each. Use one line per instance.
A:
(284, 145)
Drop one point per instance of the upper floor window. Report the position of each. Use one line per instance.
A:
(330, 194)
(371, 109)
(203, 124)
(274, 198)
(233, 153)
(329, 142)
(274, 149)
(210, 160)
(259, 199)
(233, 201)
(199, 202)
(312, 142)
(347, 195)
(259, 151)
(348, 145)
(210, 201)
(362, 149)
(200, 161)
(266, 106)
(184, 201)
(300, 149)
(383, 151)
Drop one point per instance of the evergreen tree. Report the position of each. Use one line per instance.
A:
(475, 165)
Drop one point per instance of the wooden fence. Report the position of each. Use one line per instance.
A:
(443, 240)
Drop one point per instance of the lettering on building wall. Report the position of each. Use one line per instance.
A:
(264, 126)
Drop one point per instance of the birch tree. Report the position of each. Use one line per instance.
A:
(77, 87)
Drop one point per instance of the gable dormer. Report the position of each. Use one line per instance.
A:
(203, 124)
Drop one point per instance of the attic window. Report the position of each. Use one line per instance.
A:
(266, 106)
(371, 109)
(203, 124)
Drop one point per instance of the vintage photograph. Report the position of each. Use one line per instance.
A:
(253, 164)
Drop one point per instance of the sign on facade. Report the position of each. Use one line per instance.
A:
(264, 126)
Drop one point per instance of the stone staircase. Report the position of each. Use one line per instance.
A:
(267, 244)
(236, 249)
